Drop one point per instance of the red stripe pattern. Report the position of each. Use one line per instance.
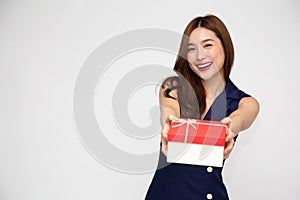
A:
(197, 132)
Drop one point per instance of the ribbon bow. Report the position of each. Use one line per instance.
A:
(188, 122)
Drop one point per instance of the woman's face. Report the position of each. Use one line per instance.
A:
(205, 54)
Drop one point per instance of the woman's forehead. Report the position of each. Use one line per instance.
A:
(200, 35)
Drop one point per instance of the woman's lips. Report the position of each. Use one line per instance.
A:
(204, 66)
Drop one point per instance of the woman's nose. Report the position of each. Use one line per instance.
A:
(201, 53)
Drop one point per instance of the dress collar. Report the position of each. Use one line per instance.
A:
(232, 92)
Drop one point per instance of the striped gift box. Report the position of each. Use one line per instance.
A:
(197, 142)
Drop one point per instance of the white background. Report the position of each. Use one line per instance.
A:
(43, 45)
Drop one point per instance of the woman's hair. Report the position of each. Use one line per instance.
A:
(190, 89)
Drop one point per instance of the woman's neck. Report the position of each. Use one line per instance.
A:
(214, 86)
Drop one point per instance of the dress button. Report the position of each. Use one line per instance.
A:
(209, 169)
(209, 196)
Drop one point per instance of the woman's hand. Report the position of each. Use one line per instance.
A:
(164, 133)
(229, 142)
(239, 120)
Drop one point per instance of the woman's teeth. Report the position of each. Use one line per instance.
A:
(204, 65)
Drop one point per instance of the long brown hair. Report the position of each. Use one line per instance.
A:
(191, 92)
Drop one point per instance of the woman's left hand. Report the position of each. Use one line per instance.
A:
(229, 142)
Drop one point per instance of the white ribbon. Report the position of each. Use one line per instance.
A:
(188, 122)
(192, 122)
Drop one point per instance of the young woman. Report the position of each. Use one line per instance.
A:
(202, 90)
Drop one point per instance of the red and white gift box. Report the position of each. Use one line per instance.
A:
(197, 142)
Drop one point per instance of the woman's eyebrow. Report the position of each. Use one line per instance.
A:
(207, 40)
(202, 41)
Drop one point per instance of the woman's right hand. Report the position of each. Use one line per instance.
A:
(164, 133)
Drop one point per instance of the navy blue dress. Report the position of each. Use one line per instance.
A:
(190, 182)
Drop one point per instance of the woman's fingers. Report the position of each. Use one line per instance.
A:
(229, 142)
(171, 118)
(164, 138)
(229, 135)
(226, 121)
(164, 133)
(164, 148)
(228, 148)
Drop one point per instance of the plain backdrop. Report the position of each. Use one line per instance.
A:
(43, 45)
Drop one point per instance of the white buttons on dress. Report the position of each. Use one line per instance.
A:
(209, 196)
(209, 169)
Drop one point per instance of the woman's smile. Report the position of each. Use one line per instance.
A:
(204, 66)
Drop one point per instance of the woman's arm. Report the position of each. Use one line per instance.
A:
(239, 120)
(245, 115)
(168, 106)
(170, 110)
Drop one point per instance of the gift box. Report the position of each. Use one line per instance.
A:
(197, 142)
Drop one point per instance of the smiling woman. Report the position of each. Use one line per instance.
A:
(202, 90)
(205, 53)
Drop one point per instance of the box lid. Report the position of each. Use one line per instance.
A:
(197, 132)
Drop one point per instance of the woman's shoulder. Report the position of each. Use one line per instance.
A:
(233, 92)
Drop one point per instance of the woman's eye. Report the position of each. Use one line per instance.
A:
(207, 45)
(191, 49)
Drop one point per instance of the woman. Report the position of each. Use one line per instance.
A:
(202, 90)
